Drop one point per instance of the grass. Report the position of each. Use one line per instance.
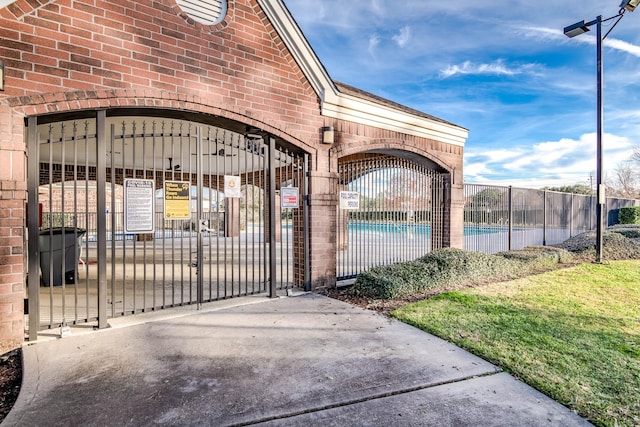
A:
(573, 334)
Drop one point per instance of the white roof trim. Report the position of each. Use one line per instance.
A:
(346, 107)
(357, 110)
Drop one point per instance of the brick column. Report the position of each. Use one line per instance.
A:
(13, 196)
(322, 218)
(447, 215)
(456, 216)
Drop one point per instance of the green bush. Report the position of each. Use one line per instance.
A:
(615, 245)
(632, 231)
(629, 215)
(448, 268)
(536, 258)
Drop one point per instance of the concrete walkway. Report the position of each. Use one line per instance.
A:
(296, 361)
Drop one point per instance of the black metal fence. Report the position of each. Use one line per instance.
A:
(508, 218)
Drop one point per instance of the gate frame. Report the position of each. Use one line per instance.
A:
(100, 116)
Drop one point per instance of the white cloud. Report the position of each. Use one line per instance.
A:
(403, 37)
(550, 163)
(497, 68)
(374, 41)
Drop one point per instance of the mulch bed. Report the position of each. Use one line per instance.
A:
(10, 380)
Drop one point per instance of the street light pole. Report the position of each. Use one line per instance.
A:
(575, 30)
(600, 195)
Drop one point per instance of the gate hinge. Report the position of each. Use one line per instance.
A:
(307, 200)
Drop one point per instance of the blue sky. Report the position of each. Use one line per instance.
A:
(502, 69)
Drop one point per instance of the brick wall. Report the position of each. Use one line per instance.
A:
(12, 218)
(84, 55)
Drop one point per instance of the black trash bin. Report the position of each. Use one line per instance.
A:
(52, 243)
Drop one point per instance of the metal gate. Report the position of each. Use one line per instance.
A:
(131, 214)
(398, 215)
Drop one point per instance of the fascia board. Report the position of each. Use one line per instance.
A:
(356, 110)
(344, 107)
(303, 54)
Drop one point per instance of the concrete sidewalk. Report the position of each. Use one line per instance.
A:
(297, 361)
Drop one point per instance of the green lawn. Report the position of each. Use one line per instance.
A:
(573, 334)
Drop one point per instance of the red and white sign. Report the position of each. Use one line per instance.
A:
(289, 197)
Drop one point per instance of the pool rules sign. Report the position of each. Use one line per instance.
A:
(138, 206)
(349, 200)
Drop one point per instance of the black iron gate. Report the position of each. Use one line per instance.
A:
(391, 210)
(133, 214)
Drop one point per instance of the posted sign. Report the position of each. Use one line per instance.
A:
(177, 199)
(289, 197)
(349, 200)
(138, 205)
(232, 188)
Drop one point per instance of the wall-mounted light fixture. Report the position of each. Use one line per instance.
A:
(328, 135)
(1, 76)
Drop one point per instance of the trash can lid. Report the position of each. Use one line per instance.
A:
(60, 230)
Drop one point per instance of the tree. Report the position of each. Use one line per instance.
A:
(626, 180)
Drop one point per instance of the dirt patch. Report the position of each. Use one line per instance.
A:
(10, 380)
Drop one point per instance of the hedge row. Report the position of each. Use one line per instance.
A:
(447, 268)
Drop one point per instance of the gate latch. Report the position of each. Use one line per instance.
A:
(204, 226)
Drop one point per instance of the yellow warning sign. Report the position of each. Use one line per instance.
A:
(177, 199)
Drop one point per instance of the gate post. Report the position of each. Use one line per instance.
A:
(323, 203)
(32, 227)
(101, 184)
(447, 215)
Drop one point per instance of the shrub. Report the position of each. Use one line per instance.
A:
(615, 245)
(391, 281)
(632, 231)
(629, 215)
(444, 269)
(536, 258)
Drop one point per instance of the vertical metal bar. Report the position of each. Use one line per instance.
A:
(77, 246)
(224, 224)
(192, 223)
(154, 174)
(63, 169)
(571, 217)
(134, 142)
(101, 178)
(143, 137)
(305, 219)
(33, 221)
(199, 225)
(544, 218)
(182, 262)
(120, 217)
(172, 173)
(87, 217)
(272, 217)
(510, 210)
(247, 190)
(231, 222)
(113, 221)
(227, 225)
(51, 223)
(211, 222)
